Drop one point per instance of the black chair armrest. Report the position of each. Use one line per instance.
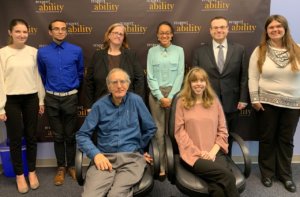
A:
(170, 159)
(154, 152)
(245, 152)
(78, 167)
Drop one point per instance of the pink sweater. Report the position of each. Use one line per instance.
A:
(199, 129)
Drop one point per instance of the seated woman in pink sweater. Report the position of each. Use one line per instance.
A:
(201, 134)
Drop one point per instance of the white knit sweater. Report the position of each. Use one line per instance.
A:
(275, 86)
(19, 74)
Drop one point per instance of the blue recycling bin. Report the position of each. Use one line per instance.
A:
(6, 161)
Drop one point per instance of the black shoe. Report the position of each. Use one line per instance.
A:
(290, 186)
(267, 182)
(162, 177)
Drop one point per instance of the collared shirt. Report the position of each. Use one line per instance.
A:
(216, 49)
(60, 66)
(124, 128)
(165, 67)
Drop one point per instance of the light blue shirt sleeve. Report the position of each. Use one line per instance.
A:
(180, 73)
(151, 78)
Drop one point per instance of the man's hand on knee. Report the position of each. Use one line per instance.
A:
(102, 163)
(148, 158)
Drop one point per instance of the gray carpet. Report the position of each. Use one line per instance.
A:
(70, 189)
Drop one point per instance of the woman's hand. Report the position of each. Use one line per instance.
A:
(41, 109)
(258, 106)
(208, 156)
(165, 102)
(3, 117)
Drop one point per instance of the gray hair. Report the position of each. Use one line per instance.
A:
(117, 70)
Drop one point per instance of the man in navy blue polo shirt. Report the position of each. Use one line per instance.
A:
(61, 68)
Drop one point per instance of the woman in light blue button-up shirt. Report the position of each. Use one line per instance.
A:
(165, 70)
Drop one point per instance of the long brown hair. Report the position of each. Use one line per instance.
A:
(187, 95)
(287, 41)
(109, 30)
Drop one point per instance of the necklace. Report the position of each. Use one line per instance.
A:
(164, 52)
(279, 57)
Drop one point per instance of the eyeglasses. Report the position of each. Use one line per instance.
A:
(57, 29)
(219, 27)
(117, 33)
(164, 33)
(116, 82)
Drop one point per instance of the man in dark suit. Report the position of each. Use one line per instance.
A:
(227, 69)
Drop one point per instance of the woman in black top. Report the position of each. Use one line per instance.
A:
(115, 53)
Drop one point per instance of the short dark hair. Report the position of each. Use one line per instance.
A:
(56, 20)
(165, 23)
(217, 18)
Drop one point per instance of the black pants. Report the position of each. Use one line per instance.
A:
(218, 175)
(62, 115)
(277, 127)
(232, 121)
(22, 116)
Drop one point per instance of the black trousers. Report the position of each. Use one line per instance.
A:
(22, 116)
(62, 115)
(232, 121)
(277, 127)
(218, 175)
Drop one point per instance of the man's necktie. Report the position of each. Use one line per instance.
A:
(221, 58)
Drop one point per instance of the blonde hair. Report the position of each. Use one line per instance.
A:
(187, 94)
(287, 41)
(106, 41)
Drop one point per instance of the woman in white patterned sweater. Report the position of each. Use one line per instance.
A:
(274, 85)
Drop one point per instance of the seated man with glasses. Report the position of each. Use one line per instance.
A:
(123, 127)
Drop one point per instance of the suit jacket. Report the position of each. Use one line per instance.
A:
(98, 70)
(231, 85)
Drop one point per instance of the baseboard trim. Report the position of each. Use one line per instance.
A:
(52, 162)
(86, 161)
(254, 159)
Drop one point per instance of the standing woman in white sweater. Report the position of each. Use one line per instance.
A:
(274, 85)
(21, 99)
